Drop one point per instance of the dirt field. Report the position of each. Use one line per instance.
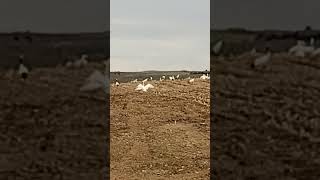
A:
(160, 134)
(51, 130)
(266, 122)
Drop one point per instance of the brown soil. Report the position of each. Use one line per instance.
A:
(160, 134)
(266, 121)
(51, 130)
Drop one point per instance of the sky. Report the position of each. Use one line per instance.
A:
(265, 14)
(159, 35)
(54, 15)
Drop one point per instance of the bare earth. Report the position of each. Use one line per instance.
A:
(160, 134)
(266, 121)
(51, 130)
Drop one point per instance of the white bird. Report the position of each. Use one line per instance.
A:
(217, 47)
(163, 77)
(117, 83)
(82, 61)
(177, 77)
(171, 78)
(151, 78)
(204, 77)
(145, 80)
(69, 64)
(191, 80)
(144, 87)
(134, 81)
(253, 51)
(96, 81)
(312, 41)
(261, 60)
(23, 71)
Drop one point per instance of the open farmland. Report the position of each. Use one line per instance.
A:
(265, 121)
(51, 130)
(162, 133)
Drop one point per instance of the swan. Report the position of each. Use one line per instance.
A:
(191, 80)
(253, 51)
(204, 77)
(144, 80)
(82, 61)
(171, 78)
(95, 81)
(144, 87)
(217, 47)
(23, 70)
(262, 60)
(117, 82)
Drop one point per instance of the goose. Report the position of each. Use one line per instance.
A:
(117, 82)
(262, 60)
(69, 64)
(144, 88)
(217, 47)
(204, 77)
(82, 61)
(23, 70)
(144, 80)
(311, 41)
(95, 81)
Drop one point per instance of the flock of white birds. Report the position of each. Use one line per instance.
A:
(144, 87)
(299, 50)
(98, 80)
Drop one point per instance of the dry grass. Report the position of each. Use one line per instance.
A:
(160, 134)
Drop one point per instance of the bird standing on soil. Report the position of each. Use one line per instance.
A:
(117, 82)
(23, 70)
(171, 78)
(204, 77)
(262, 60)
(144, 87)
(95, 81)
(144, 81)
(191, 81)
(217, 47)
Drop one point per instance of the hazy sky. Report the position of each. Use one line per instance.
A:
(54, 15)
(265, 14)
(159, 35)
